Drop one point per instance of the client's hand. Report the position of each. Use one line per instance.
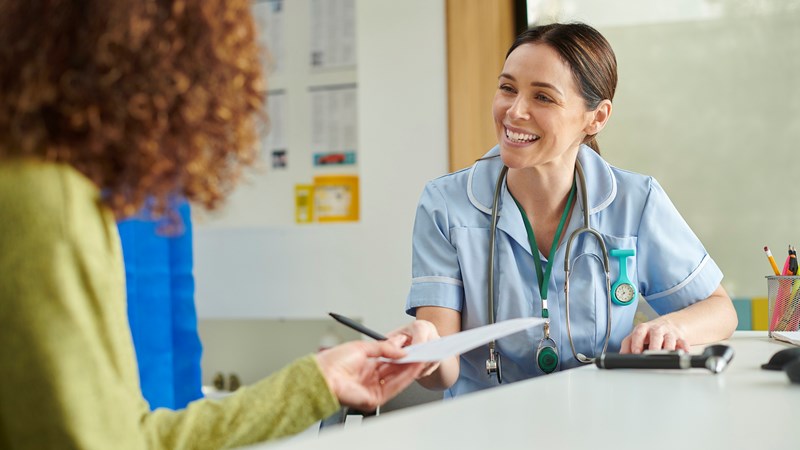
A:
(359, 379)
(417, 332)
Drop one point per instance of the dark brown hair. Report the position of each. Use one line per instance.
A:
(588, 55)
(150, 99)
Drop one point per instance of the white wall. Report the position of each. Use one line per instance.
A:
(712, 109)
(708, 102)
(360, 269)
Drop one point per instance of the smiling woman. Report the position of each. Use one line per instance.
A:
(554, 95)
(585, 57)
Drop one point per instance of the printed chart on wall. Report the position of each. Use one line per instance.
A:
(275, 145)
(334, 155)
(269, 20)
(333, 34)
(310, 152)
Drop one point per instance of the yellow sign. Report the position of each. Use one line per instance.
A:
(336, 198)
(303, 203)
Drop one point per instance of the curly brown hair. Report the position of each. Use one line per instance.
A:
(150, 99)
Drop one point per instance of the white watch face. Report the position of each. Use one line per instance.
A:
(624, 292)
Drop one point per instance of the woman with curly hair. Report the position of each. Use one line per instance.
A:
(104, 104)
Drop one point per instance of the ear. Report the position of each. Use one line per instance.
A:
(598, 118)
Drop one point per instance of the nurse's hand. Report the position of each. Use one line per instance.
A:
(359, 379)
(657, 334)
(417, 332)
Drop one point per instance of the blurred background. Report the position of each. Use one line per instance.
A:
(708, 102)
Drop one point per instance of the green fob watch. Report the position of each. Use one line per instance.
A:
(623, 292)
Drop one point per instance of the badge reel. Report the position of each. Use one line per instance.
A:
(623, 292)
(547, 352)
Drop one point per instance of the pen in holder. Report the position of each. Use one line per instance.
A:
(784, 303)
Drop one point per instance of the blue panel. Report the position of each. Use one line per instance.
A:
(744, 309)
(186, 341)
(161, 311)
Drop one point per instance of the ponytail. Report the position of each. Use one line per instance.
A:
(591, 141)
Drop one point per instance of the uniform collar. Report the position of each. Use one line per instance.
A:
(600, 182)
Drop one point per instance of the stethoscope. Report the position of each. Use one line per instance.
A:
(624, 292)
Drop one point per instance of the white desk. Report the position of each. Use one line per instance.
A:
(744, 407)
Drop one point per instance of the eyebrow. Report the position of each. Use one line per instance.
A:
(534, 83)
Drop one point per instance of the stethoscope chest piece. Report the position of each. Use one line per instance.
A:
(493, 364)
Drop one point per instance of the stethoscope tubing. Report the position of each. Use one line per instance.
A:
(585, 229)
(497, 189)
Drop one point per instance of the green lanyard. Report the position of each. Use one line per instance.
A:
(544, 278)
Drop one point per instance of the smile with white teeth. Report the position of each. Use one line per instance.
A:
(520, 137)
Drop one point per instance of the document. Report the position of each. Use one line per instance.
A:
(464, 341)
(790, 337)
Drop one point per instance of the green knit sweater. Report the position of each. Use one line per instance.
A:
(68, 376)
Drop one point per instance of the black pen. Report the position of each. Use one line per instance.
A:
(358, 327)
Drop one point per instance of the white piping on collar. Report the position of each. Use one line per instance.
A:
(488, 209)
(471, 197)
(611, 196)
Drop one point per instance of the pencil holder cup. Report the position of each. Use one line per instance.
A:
(784, 303)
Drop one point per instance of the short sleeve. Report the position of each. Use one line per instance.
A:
(674, 268)
(436, 274)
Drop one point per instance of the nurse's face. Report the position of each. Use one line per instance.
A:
(539, 115)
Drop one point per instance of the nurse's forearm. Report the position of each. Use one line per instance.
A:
(443, 377)
(710, 320)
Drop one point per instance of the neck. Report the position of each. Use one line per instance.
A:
(542, 191)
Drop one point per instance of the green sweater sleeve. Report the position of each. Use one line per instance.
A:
(283, 404)
(68, 376)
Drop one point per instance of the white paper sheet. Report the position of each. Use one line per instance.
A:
(466, 340)
(790, 337)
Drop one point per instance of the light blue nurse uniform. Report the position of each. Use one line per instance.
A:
(671, 268)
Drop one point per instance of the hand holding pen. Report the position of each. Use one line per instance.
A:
(415, 332)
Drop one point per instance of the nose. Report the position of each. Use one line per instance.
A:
(519, 109)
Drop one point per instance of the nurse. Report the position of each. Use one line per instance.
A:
(553, 97)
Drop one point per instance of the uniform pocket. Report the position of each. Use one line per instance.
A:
(621, 315)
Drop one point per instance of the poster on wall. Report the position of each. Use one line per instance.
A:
(275, 147)
(334, 159)
(304, 203)
(269, 19)
(336, 198)
(334, 119)
(333, 34)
